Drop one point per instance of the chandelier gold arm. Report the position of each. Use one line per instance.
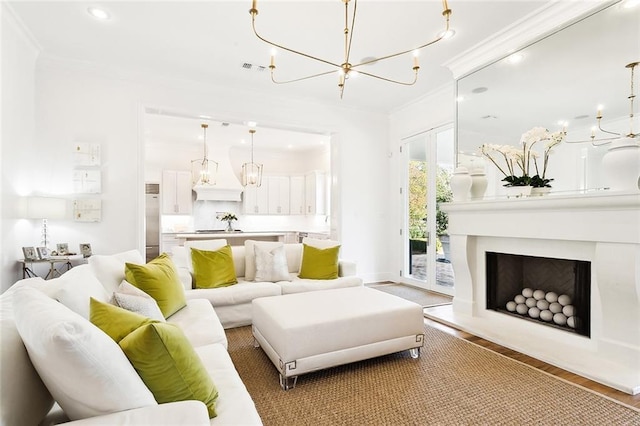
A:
(346, 67)
(298, 79)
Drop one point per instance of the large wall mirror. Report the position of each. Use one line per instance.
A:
(560, 80)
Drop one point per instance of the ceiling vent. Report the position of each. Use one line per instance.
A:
(252, 67)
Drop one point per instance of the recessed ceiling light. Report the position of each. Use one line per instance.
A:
(460, 98)
(251, 124)
(631, 3)
(98, 13)
(515, 58)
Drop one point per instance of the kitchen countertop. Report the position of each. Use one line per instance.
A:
(193, 235)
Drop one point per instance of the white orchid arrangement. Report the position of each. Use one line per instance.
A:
(517, 161)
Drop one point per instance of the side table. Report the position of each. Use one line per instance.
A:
(54, 271)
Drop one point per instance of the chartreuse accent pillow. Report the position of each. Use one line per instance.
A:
(168, 365)
(117, 322)
(319, 264)
(160, 280)
(212, 269)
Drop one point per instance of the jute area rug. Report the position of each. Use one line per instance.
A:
(422, 297)
(454, 382)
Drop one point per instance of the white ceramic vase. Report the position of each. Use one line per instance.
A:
(460, 184)
(621, 165)
(540, 191)
(479, 184)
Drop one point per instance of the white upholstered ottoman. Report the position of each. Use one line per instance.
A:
(305, 332)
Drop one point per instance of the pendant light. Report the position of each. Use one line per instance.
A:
(203, 170)
(252, 172)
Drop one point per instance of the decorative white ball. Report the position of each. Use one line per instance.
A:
(546, 315)
(569, 311)
(539, 294)
(551, 297)
(534, 312)
(560, 319)
(542, 305)
(519, 299)
(522, 309)
(530, 302)
(564, 300)
(555, 307)
(511, 306)
(527, 292)
(572, 322)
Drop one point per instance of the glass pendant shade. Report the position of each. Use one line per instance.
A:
(252, 172)
(203, 170)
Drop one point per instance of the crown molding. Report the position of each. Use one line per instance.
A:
(545, 20)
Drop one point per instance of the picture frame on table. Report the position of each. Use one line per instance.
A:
(43, 253)
(29, 253)
(62, 249)
(85, 249)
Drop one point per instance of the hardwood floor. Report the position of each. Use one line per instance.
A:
(632, 400)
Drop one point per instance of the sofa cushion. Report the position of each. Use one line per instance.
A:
(213, 269)
(234, 405)
(25, 399)
(116, 322)
(133, 299)
(110, 268)
(159, 279)
(271, 264)
(320, 243)
(304, 285)
(85, 371)
(200, 323)
(319, 264)
(242, 292)
(77, 286)
(211, 245)
(168, 365)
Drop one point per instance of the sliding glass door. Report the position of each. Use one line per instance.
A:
(429, 161)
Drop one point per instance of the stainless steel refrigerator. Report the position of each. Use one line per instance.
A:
(152, 220)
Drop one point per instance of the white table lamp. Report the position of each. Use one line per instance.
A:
(45, 208)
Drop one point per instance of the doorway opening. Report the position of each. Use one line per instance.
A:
(429, 163)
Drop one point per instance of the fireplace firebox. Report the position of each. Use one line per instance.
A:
(549, 291)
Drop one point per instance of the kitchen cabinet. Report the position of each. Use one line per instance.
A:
(255, 199)
(296, 195)
(278, 194)
(169, 241)
(315, 193)
(176, 192)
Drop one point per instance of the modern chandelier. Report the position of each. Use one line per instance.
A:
(252, 172)
(203, 170)
(347, 68)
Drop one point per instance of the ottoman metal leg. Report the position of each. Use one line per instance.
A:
(288, 382)
(256, 344)
(415, 353)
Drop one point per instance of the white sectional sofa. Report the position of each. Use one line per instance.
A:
(233, 303)
(27, 382)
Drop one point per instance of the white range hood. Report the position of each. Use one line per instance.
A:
(227, 186)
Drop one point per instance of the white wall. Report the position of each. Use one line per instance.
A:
(19, 55)
(76, 103)
(433, 110)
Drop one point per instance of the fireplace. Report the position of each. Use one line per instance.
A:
(549, 291)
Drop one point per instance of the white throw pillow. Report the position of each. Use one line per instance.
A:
(209, 245)
(250, 256)
(133, 299)
(77, 286)
(271, 264)
(110, 269)
(84, 369)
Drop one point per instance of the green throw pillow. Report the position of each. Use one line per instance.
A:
(168, 365)
(319, 264)
(160, 280)
(113, 320)
(213, 269)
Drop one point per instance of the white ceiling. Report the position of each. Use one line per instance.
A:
(210, 41)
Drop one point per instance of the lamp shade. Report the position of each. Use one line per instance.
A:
(45, 208)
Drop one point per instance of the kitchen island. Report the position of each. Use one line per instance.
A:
(235, 238)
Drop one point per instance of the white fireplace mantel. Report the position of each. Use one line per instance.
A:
(604, 229)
